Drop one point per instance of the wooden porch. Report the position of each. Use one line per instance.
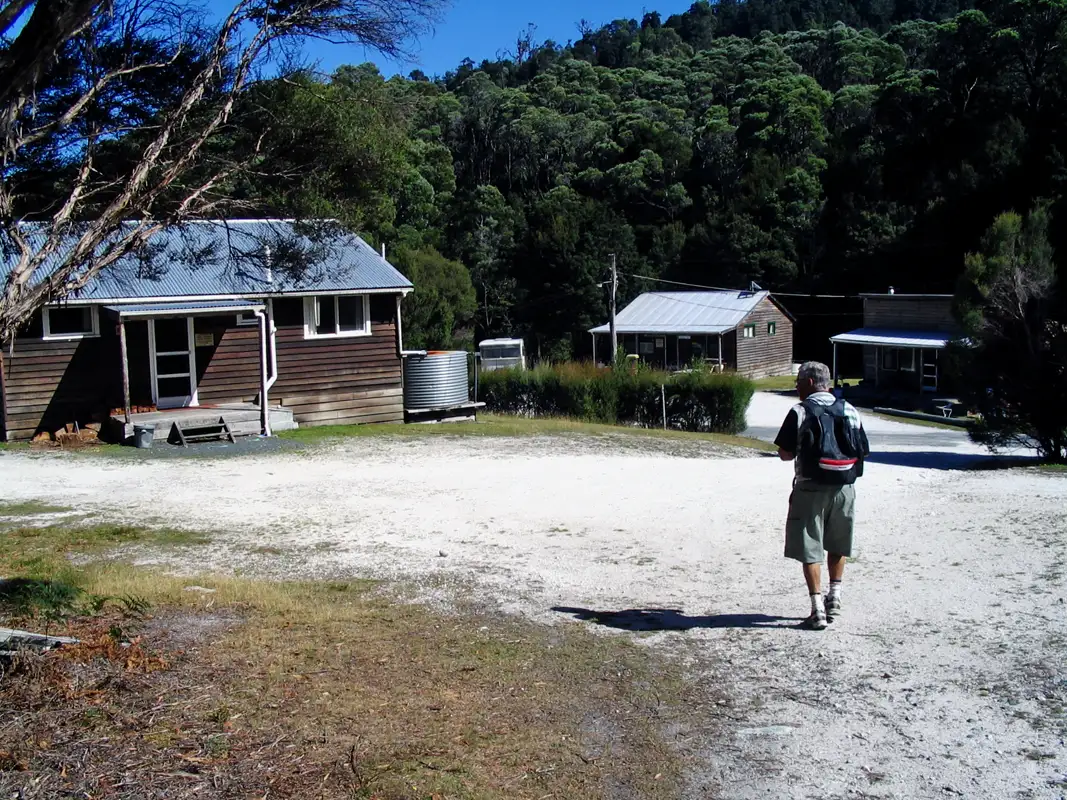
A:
(243, 419)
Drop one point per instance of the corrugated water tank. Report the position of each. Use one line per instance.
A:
(436, 380)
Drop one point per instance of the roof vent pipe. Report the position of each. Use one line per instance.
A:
(383, 251)
(891, 290)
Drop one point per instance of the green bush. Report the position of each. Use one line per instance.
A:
(696, 401)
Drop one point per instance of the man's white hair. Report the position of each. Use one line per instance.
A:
(817, 372)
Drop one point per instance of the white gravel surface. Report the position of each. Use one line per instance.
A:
(945, 678)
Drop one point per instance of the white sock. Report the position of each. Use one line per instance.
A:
(817, 605)
(835, 589)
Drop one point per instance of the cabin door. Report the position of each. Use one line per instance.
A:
(173, 361)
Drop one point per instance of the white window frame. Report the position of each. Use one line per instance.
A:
(247, 323)
(906, 359)
(46, 327)
(309, 317)
(891, 354)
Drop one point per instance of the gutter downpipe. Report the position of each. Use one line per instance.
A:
(272, 329)
(264, 410)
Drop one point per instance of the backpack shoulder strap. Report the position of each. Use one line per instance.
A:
(814, 409)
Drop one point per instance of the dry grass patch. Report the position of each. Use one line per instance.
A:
(245, 689)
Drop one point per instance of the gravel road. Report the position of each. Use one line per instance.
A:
(945, 677)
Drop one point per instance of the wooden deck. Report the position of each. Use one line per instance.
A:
(243, 419)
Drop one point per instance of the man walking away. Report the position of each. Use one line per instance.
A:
(825, 438)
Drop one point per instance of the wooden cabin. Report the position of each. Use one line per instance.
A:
(902, 338)
(746, 331)
(210, 316)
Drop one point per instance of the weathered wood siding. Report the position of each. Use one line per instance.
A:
(228, 369)
(908, 313)
(339, 381)
(764, 354)
(327, 381)
(51, 383)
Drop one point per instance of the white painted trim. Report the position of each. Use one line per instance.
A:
(196, 298)
(249, 323)
(46, 335)
(310, 324)
(222, 311)
(190, 400)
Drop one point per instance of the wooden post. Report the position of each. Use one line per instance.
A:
(663, 399)
(125, 370)
(594, 349)
(720, 352)
(611, 324)
(3, 393)
(835, 363)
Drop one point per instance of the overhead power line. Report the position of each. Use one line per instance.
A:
(735, 289)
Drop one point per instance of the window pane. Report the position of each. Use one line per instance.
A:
(172, 365)
(172, 335)
(70, 320)
(174, 387)
(350, 313)
(326, 315)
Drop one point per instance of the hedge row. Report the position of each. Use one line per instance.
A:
(696, 401)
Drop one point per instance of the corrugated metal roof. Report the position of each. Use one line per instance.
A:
(163, 309)
(934, 340)
(685, 312)
(241, 257)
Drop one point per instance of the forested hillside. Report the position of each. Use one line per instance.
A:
(809, 146)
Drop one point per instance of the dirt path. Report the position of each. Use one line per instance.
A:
(945, 678)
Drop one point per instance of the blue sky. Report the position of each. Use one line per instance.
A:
(479, 29)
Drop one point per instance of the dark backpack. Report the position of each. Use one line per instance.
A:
(829, 449)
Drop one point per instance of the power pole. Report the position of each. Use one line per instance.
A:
(611, 324)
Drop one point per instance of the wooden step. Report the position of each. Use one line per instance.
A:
(186, 432)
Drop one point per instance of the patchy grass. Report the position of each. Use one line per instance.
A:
(788, 383)
(327, 690)
(776, 383)
(29, 508)
(490, 425)
(46, 551)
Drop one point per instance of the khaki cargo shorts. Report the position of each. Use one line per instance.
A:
(820, 518)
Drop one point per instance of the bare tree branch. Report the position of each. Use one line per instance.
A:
(87, 91)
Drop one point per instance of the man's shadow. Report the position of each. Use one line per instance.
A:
(672, 619)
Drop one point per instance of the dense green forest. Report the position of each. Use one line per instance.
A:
(836, 146)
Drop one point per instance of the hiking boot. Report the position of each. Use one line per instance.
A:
(833, 608)
(816, 622)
